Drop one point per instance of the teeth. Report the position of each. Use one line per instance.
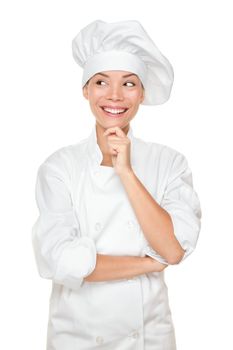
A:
(114, 111)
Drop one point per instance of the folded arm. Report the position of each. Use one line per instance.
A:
(172, 228)
(110, 267)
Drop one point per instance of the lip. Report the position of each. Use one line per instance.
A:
(114, 115)
(114, 107)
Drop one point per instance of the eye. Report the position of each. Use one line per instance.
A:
(130, 82)
(99, 82)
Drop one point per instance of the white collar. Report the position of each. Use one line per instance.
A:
(94, 150)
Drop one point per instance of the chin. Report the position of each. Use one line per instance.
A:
(111, 123)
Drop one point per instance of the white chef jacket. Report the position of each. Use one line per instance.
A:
(84, 210)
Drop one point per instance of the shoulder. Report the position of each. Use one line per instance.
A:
(159, 152)
(64, 158)
(175, 156)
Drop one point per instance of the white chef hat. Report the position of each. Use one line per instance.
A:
(124, 45)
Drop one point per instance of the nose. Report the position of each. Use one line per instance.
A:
(115, 93)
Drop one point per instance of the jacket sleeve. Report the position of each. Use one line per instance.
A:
(181, 201)
(61, 253)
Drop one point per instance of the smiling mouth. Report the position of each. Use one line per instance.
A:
(114, 112)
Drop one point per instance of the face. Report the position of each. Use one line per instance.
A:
(114, 97)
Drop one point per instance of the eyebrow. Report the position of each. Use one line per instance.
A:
(124, 76)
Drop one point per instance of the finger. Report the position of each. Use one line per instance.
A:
(118, 142)
(118, 147)
(114, 138)
(115, 130)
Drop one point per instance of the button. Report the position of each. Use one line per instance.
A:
(131, 279)
(99, 340)
(130, 224)
(73, 233)
(135, 334)
(97, 226)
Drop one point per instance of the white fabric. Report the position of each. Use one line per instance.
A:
(109, 60)
(84, 210)
(124, 45)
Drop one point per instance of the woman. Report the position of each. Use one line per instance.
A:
(115, 211)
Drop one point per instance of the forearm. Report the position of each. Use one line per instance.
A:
(110, 267)
(155, 222)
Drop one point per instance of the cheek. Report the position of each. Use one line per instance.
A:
(135, 97)
(95, 95)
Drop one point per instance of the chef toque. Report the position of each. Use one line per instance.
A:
(124, 45)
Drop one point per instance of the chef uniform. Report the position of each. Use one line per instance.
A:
(85, 211)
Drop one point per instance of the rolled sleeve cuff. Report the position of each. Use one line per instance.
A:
(152, 253)
(77, 260)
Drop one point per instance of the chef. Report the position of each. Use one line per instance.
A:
(114, 210)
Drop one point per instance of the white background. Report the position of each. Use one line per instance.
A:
(42, 109)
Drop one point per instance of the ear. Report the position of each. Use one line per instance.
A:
(143, 95)
(85, 92)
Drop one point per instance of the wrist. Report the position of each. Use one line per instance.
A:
(154, 265)
(128, 172)
(149, 263)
